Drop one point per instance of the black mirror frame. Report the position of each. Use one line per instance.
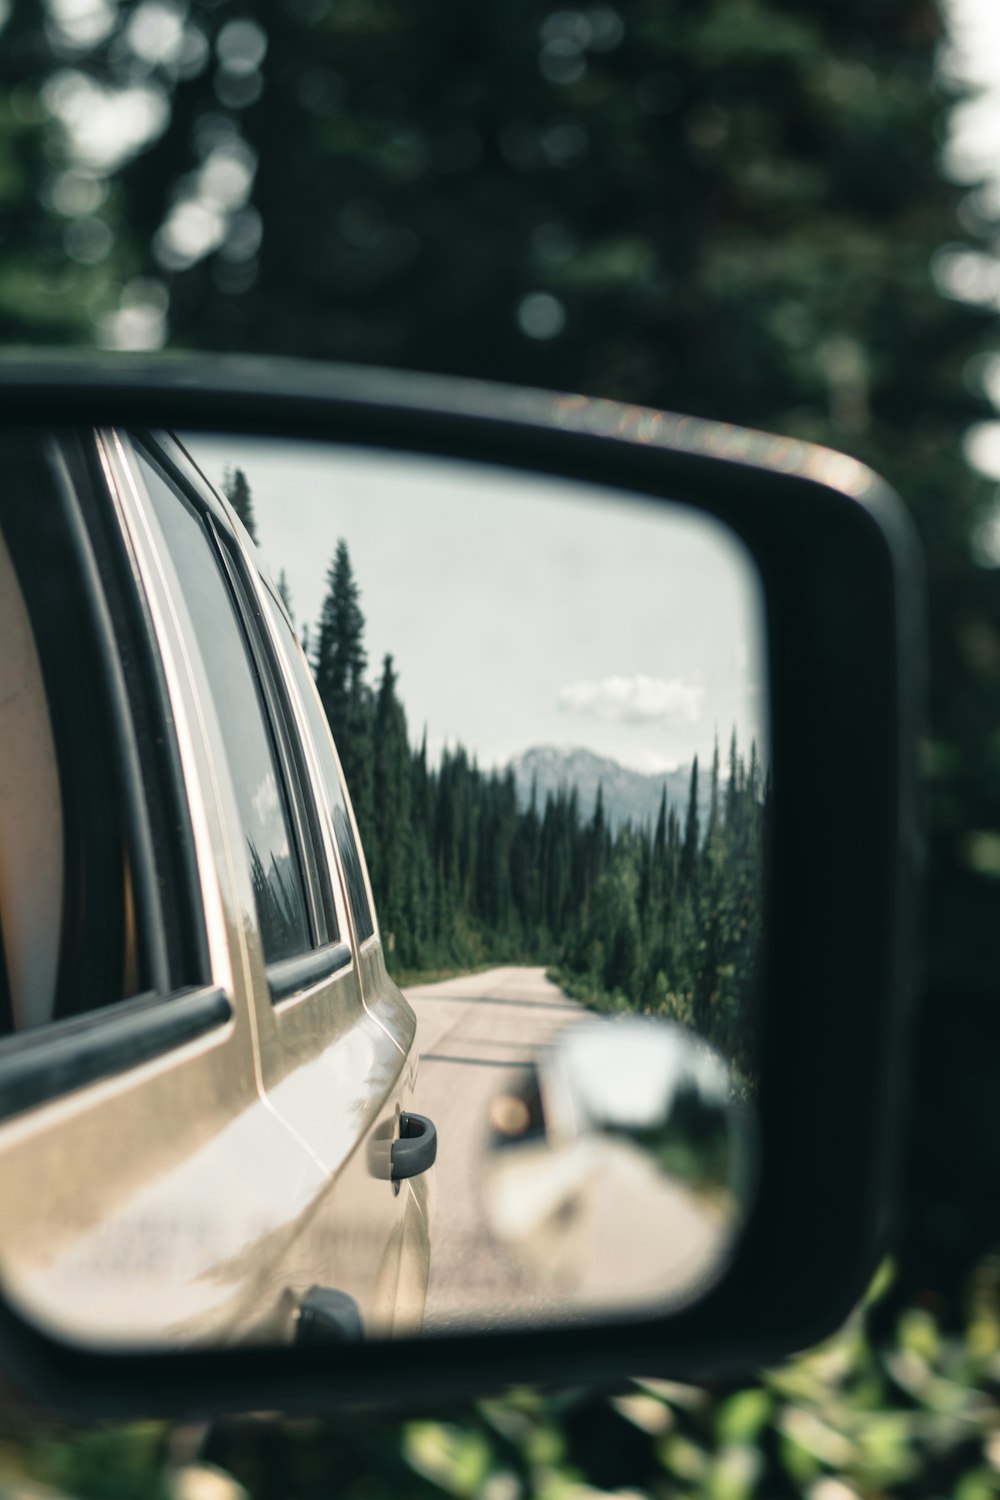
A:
(843, 583)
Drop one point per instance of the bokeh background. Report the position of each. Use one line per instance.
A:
(782, 213)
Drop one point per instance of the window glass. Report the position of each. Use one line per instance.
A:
(72, 941)
(332, 783)
(299, 791)
(274, 866)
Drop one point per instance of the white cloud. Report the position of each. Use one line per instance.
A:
(634, 700)
(655, 764)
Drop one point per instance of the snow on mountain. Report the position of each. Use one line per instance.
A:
(628, 794)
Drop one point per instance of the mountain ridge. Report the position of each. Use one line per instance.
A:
(629, 795)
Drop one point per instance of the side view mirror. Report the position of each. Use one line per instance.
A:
(622, 1165)
(457, 851)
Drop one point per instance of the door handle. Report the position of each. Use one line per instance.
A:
(416, 1148)
(327, 1316)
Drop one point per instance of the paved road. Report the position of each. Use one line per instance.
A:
(475, 1032)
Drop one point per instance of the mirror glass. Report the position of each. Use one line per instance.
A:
(467, 1045)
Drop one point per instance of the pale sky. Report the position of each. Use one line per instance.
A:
(520, 611)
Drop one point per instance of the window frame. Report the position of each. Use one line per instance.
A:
(145, 456)
(260, 584)
(332, 948)
(278, 716)
(179, 1003)
(173, 871)
(295, 693)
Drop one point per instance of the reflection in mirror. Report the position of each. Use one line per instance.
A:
(621, 1166)
(500, 1069)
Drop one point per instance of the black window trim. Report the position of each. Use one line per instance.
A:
(143, 861)
(289, 977)
(169, 858)
(85, 497)
(48, 1062)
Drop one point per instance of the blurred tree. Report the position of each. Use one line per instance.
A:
(60, 262)
(236, 489)
(284, 589)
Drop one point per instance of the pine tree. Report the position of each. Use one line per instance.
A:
(418, 938)
(595, 848)
(732, 786)
(286, 594)
(340, 658)
(692, 835)
(526, 871)
(236, 489)
(660, 836)
(659, 885)
(339, 667)
(753, 775)
(713, 829)
(391, 849)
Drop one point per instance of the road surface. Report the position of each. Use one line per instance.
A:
(475, 1034)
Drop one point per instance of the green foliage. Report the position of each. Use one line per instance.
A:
(642, 920)
(43, 1459)
(672, 928)
(915, 1415)
(339, 662)
(64, 253)
(390, 860)
(910, 1414)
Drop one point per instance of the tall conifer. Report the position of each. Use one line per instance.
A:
(339, 665)
(286, 594)
(692, 833)
(236, 488)
(391, 788)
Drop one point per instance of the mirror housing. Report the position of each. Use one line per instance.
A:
(845, 645)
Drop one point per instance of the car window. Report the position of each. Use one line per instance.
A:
(282, 722)
(333, 784)
(31, 825)
(71, 941)
(262, 798)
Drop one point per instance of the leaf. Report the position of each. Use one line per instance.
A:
(455, 1459)
(742, 1416)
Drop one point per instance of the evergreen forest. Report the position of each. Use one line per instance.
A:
(664, 919)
